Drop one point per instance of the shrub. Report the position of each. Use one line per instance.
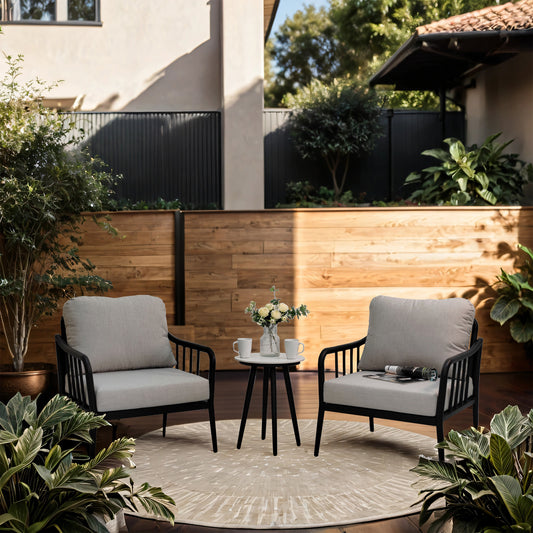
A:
(481, 175)
(515, 300)
(334, 122)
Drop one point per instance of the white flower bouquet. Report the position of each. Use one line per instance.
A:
(275, 312)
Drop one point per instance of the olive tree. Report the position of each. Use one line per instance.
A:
(45, 187)
(334, 122)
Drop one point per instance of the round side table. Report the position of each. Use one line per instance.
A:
(269, 365)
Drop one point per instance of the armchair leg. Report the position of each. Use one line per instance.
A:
(319, 424)
(211, 409)
(475, 413)
(165, 424)
(440, 438)
(371, 423)
(91, 447)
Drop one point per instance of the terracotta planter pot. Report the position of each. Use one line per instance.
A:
(36, 378)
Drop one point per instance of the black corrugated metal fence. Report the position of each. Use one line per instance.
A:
(177, 155)
(174, 155)
(378, 175)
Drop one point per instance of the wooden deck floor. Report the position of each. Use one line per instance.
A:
(497, 391)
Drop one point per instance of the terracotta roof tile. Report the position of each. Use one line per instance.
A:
(506, 17)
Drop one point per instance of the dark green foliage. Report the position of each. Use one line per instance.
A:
(334, 122)
(304, 49)
(142, 205)
(483, 175)
(303, 194)
(515, 300)
(46, 485)
(487, 485)
(351, 38)
(45, 186)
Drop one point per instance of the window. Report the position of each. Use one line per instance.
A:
(81, 10)
(49, 11)
(28, 10)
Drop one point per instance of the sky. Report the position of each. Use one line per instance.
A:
(287, 8)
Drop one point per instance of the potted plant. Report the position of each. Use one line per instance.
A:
(515, 300)
(487, 484)
(45, 485)
(45, 186)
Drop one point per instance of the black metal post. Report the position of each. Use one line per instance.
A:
(179, 275)
(390, 114)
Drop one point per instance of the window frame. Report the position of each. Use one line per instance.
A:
(66, 22)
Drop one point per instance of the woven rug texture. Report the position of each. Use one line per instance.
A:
(358, 476)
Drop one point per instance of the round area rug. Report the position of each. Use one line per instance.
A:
(358, 476)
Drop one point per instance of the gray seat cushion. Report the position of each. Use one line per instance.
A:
(119, 333)
(150, 387)
(410, 332)
(417, 397)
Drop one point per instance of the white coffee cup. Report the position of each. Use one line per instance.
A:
(292, 347)
(244, 347)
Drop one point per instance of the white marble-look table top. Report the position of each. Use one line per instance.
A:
(278, 360)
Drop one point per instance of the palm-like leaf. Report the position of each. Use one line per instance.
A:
(436, 470)
(501, 455)
(41, 488)
(490, 483)
(511, 425)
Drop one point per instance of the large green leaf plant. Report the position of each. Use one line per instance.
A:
(45, 485)
(487, 482)
(479, 175)
(515, 300)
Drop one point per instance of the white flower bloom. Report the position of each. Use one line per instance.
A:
(263, 311)
(283, 307)
(269, 307)
(276, 314)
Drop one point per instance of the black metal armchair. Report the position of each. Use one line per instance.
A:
(114, 358)
(433, 333)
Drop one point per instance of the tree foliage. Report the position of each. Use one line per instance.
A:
(45, 186)
(334, 122)
(303, 50)
(352, 38)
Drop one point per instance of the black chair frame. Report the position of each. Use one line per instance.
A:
(75, 380)
(459, 369)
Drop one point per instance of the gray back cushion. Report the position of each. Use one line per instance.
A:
(119, 333)
(409, 332)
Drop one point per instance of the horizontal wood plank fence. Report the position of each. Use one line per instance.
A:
(333, 260)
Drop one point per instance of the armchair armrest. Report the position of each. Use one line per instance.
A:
(348, 354)
(189, 355)
(459, 370)
(75, 375)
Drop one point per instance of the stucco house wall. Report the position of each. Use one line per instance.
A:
(145, 56)
(502, 100)
(163, 55)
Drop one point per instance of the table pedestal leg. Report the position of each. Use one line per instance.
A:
(274, 411)
(251, 381)
(265, 403)
(291, 404)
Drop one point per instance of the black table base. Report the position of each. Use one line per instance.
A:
(269, 375)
